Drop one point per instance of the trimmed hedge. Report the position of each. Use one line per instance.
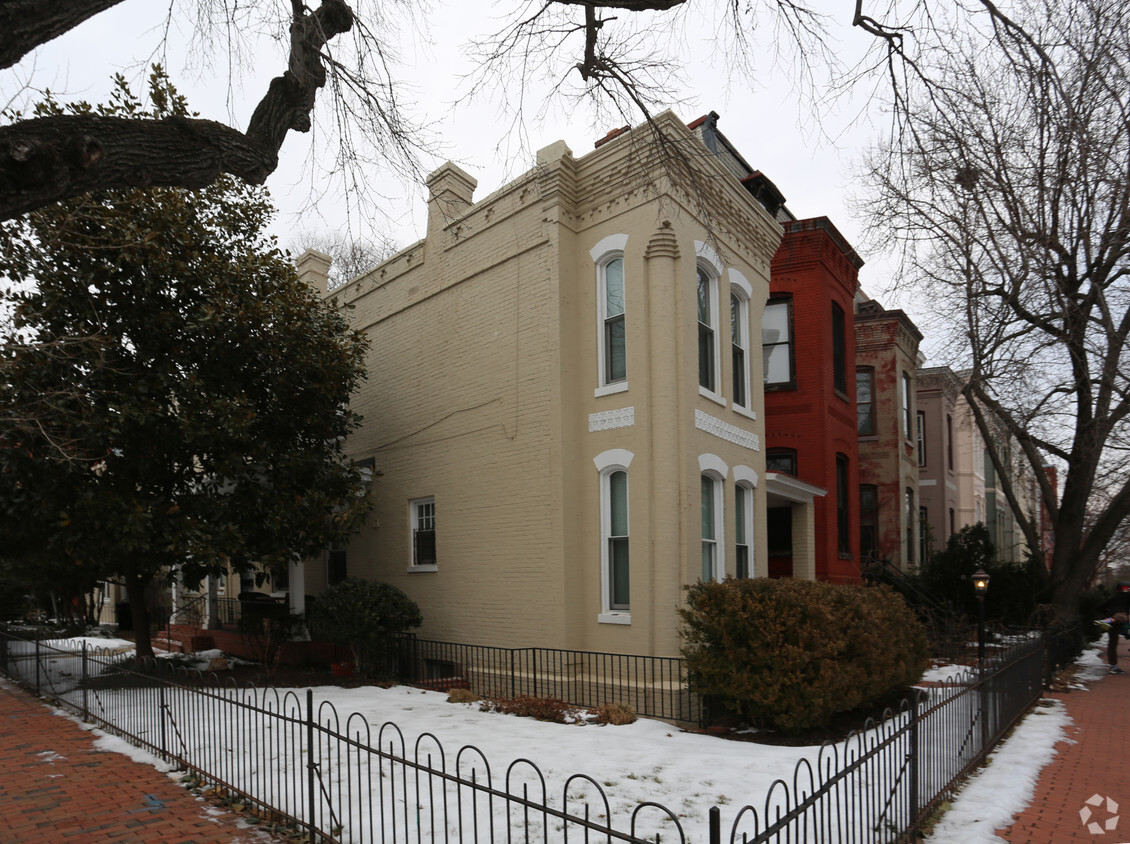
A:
(790, 654)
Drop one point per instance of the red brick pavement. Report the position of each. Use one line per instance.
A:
(56, 788)
(1095, 762)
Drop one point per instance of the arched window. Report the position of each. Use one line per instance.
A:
(617, 541)
(611, 314)
(707, 297)
(615, 565)
(743, 530)
(615, 366)
(739, 348)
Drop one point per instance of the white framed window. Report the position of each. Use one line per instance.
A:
(613, 337)
(712, 557)
(743, 531)
(706, 296)
(777, 343)
(739, 348)
(611, 316)
(615, 530)
(713, 471)
(422, 518)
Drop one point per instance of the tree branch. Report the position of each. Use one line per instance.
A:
(47, 159)
(27, 24)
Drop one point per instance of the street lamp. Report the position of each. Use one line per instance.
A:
(980, 587)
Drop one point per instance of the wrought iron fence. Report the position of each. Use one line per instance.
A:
(340, 779)
(655, 687)
(887, 779)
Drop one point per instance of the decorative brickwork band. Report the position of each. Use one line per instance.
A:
(624, 417)
(726, 431)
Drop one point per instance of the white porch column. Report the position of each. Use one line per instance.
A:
(297, 595)
(175, 589)
(297, 572)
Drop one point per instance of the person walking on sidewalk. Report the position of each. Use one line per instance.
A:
(1117, 610)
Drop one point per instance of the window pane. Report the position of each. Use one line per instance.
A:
(618, 560)
(425, 547)
(614, 350)
(705, 357)
(777, 364)
(736, 321)
(739, 514)
(739, 376)
(618, 503)
(775, 323)
(703, 297)
(743, 561)
(614, 288)
(865, 417)
(707, 508)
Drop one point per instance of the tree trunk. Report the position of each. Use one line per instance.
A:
(138, 589)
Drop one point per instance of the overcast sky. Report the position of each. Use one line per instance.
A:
(807, 152)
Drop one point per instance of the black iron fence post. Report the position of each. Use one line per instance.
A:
(3, 652)
(715, 825)
(37, 668)
(163, 715)
(913, 757)
(512, 679)
(85, 702)
(310, 803)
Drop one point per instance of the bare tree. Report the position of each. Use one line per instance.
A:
(1008, 191)
(351, 256)
(45, 158)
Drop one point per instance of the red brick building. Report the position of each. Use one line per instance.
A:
(812, 456)
(886, 358)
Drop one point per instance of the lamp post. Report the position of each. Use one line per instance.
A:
(980, 587)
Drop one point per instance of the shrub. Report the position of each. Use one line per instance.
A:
(364, 616)
(789, 654)
(541, 708)
(615, 714)
(462, 696)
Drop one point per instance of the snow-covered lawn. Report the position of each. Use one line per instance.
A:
(645, 762)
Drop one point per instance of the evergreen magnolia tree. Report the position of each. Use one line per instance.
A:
(183, 395)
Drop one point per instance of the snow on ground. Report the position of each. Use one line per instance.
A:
(687, 772)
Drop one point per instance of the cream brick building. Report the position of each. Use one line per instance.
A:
(560, 441)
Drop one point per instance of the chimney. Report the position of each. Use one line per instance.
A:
(449, 195)
(314, 269)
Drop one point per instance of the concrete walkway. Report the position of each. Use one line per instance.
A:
(1083, 794)
(56, 787)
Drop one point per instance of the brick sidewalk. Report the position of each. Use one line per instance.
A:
(56, 787)
(1096, 762)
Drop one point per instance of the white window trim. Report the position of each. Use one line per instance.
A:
(605, 251)
(743, 290)
(750, 536)
(412, 567)
(709, 261)
(714, 467)
(607, 462)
